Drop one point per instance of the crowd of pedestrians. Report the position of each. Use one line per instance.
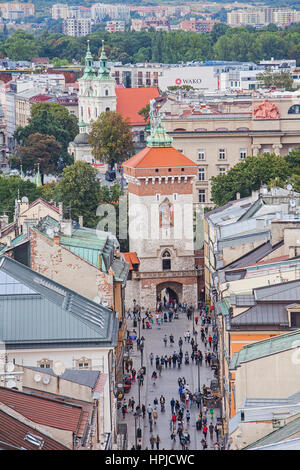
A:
(198, 346)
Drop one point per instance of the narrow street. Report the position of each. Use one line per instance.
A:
(167, 385)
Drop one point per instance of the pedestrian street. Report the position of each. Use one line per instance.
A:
(167, 385)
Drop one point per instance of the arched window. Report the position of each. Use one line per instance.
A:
(166, 260)
(295, 109)
(45, 363)
(106, 92)
(107, 109)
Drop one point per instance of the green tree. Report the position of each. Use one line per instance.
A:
(111, 138)
(79, 190)
(39, 149)
(21, 46)
(280, 79)
(247, 176)
(13, 187)
(145, 112)
(54, 120)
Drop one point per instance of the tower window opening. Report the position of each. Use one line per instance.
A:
(166, 260)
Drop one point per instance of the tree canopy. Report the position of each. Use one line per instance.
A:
(12, 187)
(39, 149)
(111, 138)
(247, 176)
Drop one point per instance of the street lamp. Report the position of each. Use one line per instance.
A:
(137, 431)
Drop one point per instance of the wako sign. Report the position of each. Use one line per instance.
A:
(201, 77)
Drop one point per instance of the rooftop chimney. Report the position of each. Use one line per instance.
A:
(80, 220)
(238, 196)
(66, 227)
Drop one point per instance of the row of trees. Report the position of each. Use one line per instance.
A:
(222, 43)
(250, 174)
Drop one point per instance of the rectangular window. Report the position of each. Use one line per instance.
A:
(266, 150)
(221, 154)
(201, 195)
(201, 174)
(243, 154)
(222, 171)
(295, 319)
(201, 154)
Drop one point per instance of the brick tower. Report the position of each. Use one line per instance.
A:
(160, 199)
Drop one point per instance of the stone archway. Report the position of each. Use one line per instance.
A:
(170, 288)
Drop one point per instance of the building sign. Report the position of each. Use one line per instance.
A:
(199, 77)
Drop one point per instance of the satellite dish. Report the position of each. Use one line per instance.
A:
(10, 367)
(292, 202)
(37, 377)
(97, 299)
(59, 368)
(289, 187)
(24, 199)
(105, 303)
(46, 379)
(11, 384)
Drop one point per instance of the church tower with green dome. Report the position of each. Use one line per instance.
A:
(96, 95)
(96, 90)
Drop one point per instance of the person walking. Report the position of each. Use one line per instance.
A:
(172, 403)
(123, 411)
(165, 340)
(211, 413)
(149, 411)
(170, 361)
(204, 444)
(188, 416)
(143, 410)
(152, 441)
(132, 404)
(216, 431)
(155, 403)
(157, 442)
(211, 431)
(155, 415)
(151, 357)
(166, 361)
(204, 430)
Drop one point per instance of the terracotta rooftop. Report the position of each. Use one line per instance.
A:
(131, 258)
(159, 158)
(13, 432)
(44, 411)
(131, 100)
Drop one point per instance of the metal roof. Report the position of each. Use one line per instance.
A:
(35, 310)
(266, 347)
(278, 435)
(253, 256)
(82, 377)
(262, 315)
(285, 292)
(290, 444)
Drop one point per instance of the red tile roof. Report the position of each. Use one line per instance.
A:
(45, 411)
(131, 100)
(162, 157)
(13, 432)
(131, 258)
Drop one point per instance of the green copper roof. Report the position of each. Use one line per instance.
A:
(89, 71)
(38, 181)
(264, 348)
(281, 434)
(103, 72)
(159, 137)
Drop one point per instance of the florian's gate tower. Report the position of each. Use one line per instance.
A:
(160, 195)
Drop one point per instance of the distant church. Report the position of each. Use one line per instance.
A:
(98, 93)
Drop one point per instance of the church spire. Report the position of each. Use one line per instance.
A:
(89, 71)
(159, 137)
(103, 73)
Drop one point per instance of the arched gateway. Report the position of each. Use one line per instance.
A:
(160, 198)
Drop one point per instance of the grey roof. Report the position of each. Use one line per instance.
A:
(263, 413)
(285, 292)
(290, 444)
(275, 315)
(82, 377)
(120, 268)
(254, 256)
(82, 139)
(35, 310)
(259, 402)
(278, 435)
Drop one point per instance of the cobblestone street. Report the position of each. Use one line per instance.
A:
(167, 385)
